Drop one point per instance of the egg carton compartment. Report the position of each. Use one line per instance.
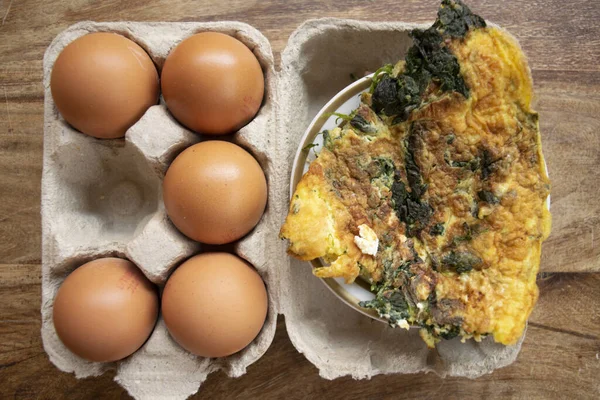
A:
(322, 57)
(105, 191)
(104, 198)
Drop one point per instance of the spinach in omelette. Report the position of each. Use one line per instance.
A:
(434, 191)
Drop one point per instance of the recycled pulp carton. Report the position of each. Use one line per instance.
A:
(104, 198)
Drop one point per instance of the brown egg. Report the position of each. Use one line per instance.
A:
(214, 304)
(215, 192)
(102, 83)
(105, 310)
(212, 83)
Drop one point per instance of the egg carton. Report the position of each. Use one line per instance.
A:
(103, 198)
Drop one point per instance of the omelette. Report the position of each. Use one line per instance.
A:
(434, 189)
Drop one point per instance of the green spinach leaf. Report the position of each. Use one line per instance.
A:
(461, 261)
(428, 60)
(488, 197)
(362, 124)
(437, 229)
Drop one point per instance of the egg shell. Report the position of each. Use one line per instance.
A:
(215, 192)
(105, 309)
(102, 83)
(214, 304)
(212, 83)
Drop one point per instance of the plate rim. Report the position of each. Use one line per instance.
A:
(313, 129)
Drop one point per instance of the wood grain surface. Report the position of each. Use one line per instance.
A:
(561, 354)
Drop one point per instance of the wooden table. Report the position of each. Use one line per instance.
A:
(561, 354)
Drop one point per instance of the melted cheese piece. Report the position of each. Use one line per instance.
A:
(367, 242)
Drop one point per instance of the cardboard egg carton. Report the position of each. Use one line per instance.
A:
(104, 198)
